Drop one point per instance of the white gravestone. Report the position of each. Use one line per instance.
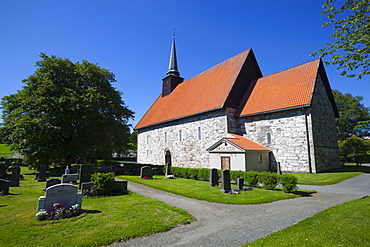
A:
(65, 194)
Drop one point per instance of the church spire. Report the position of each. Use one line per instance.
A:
(172, 67)
(173, 78)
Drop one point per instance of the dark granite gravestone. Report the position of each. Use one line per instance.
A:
(70, 178)
(146, 172)
(121, 187)
(65, 194)
(2, 169)
(240, 183)
(4, 186)
(225, 181)
(52, 182)
(42, 174)
(16, 175)
(279, 172)
(213, 177)
(119, 169)
(85, 173)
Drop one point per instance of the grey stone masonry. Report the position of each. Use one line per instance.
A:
(187, 140)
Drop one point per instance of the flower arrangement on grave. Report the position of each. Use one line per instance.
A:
(58, 212)
(170, 176)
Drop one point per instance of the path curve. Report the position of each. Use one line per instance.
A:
(235, 225)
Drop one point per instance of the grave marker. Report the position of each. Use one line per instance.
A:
(240, 183)
(2, 169)
(146, 172)
(213, 177)
(65, 194)
(70, 178)
(52, 182)
(225, 180)
(16, 175)
(85, 173)
(42, 174)
(4, 186)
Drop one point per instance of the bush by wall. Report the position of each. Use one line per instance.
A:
(289, 182)
(269, 180)
(104, 182)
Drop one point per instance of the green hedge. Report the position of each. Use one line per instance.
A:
(268, 180)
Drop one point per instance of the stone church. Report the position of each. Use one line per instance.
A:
(232, 117)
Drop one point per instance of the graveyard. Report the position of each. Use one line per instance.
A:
(108, 219)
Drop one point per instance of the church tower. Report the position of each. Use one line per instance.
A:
(173, 78)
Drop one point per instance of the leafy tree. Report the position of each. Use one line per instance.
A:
(65, 111)
(132, 145)
(353, 116)
(354, 147)
(351, 46)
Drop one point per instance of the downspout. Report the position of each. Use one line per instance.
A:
(308, 141)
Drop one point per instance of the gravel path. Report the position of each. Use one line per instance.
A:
(236, 225)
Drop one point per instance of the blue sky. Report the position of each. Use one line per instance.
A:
(133, 39)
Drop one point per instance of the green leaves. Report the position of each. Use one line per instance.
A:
(66, 111)
(351, 38)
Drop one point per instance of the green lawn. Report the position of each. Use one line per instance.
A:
(331, 177)
(202, 191)
(106, 219)
(5, 150)
(347, 224)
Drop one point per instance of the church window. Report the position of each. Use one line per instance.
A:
(147, 139)
(268, 138)
(180, 135)
(259, 158)
(165, 137)
(199, 133)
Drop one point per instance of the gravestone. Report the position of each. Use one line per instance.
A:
(16, 175)
(85, 173)
(105, 169)
(278, 169)
(4, 186)
(225, 180)
(52, 182)
(240, 183)
(168, 169)
(213, 177)
(121, 186)
(65, 194)
(70, 178)
(2, 169)
(42, 174)
(86, 186)
(119, 169)
(146, 172)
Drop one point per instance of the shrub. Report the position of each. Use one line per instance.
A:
(289, 182)
(234, 175)
(203, 174)
(269, 180)
(251, 178)
(104, 182)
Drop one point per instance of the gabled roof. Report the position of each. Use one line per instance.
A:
(241, 142)
(283, 90)
(245, 143)
(204, 92)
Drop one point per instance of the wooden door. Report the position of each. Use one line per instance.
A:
(225, 163)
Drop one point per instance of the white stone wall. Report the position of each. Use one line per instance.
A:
(288, 137)
(190, 150)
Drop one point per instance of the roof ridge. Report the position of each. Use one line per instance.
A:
(291, 68)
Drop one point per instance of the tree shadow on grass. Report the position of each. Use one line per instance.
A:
(304, 193)
(3, 206)
(351, 168)
(92, 211)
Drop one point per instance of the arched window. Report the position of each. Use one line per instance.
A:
(199, 133)
(268, 138)
(180, 135)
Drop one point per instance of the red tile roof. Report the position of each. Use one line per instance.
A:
(283, 90)
(204, 92)
(245, 143)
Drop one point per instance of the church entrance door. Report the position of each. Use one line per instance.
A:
(167, 158)
(225, 163)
